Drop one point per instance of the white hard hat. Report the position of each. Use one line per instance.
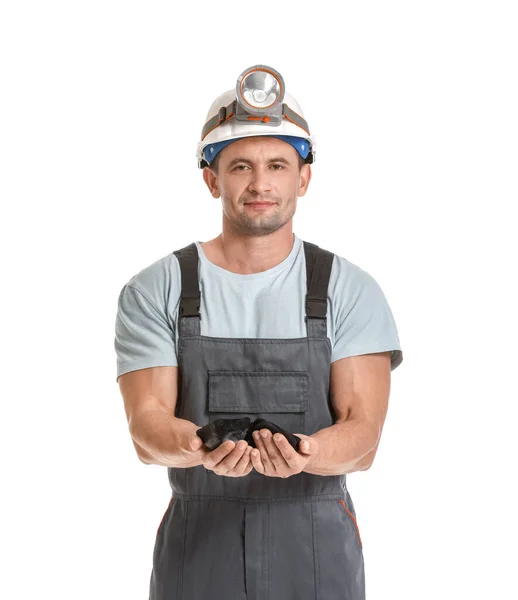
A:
(257, 106)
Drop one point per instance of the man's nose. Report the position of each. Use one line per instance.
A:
(260, 181)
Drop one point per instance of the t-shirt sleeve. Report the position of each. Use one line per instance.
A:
(144, 337)
(364, 322)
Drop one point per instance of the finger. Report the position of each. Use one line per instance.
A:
(307, 445)
(214, 457)
(230, 461)
(259, 442)
(274, 454)
(305, 448)
(195, 443)
(239, 457)
(286, 449)
(257, 463)
(244, 461)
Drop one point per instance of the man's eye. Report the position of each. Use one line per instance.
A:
(241, 167)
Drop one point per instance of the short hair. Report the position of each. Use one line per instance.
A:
(214, 165)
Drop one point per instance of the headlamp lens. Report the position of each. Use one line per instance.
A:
(261, 87)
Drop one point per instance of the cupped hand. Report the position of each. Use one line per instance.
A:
(276, 457)
(229, 459)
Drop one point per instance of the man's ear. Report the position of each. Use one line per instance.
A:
(211, 180)
(304, 179)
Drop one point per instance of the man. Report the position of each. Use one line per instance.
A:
(256, 323)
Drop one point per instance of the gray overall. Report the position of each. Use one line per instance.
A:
(257, 537)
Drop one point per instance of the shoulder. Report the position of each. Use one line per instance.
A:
(159, 282)
(347, 277)
(351, 286)
(361, 318)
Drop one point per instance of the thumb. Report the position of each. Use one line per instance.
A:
(306, 446)
(195, 443)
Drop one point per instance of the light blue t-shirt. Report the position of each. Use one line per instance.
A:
(270, 304)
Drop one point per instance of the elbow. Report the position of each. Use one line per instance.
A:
(366, 466)
(142, 459)
(365, 463)
(368, 459)
(143, 456)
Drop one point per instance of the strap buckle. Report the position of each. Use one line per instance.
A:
(222, 114)
(190, 307)
(316, 308)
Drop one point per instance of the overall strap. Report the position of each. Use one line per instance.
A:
(318, 271)
(189, 309)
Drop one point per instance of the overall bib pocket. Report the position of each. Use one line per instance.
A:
(277, 396)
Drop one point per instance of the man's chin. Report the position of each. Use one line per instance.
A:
(258, 226)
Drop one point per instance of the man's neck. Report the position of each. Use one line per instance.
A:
(248, 255)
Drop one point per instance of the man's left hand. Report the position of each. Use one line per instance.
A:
(275, 457)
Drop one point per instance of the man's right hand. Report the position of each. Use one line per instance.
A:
(229, 459)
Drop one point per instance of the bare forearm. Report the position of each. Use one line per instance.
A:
(162, 439)
(344, 447)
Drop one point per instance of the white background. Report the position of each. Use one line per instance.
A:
(414, 109)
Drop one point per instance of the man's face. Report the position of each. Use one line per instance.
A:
(259, 180)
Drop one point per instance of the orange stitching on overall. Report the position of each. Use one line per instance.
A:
(354, 520)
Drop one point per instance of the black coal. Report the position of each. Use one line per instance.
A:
(221, 430)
